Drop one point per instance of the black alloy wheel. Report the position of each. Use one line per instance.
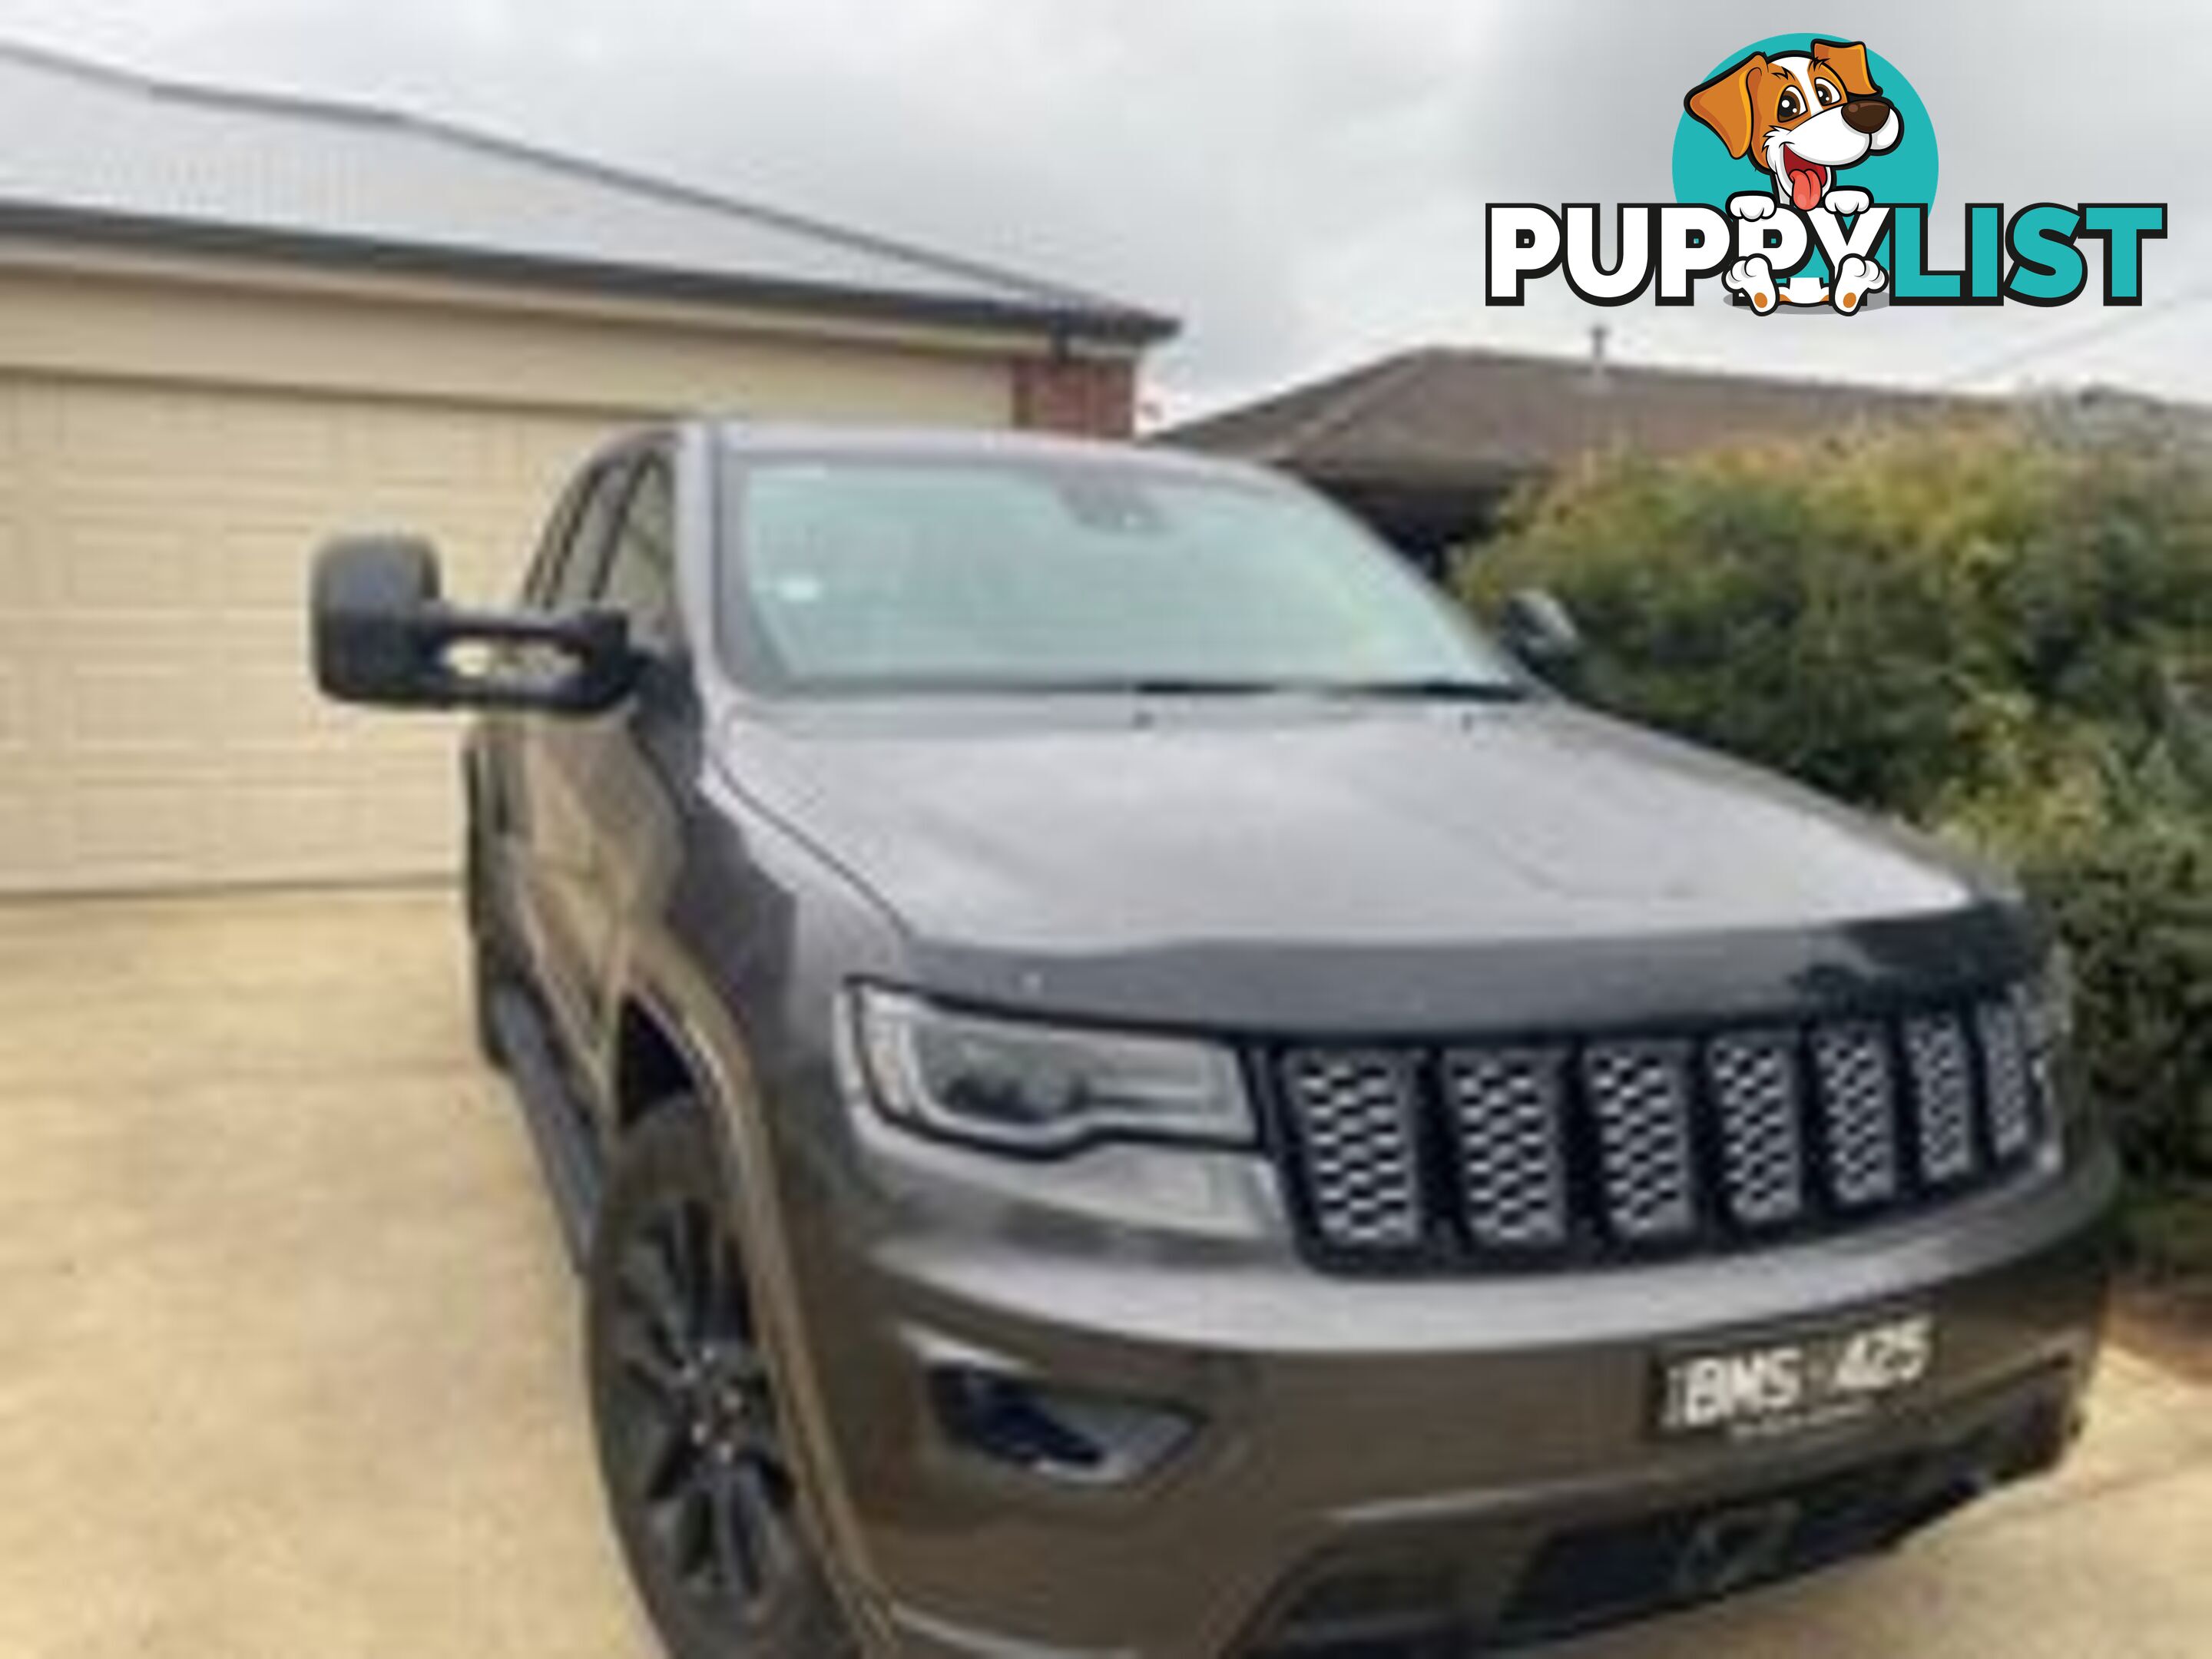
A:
(692, 1448)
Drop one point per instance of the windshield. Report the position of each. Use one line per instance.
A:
(859, 571)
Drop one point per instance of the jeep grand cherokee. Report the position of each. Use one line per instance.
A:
(1125, 1082)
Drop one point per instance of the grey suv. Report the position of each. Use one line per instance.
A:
(1125, 1083)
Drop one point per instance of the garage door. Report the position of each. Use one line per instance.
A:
(157, 728)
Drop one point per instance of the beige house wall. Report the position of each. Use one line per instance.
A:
(176, 437)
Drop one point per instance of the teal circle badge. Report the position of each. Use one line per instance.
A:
(1705, 172)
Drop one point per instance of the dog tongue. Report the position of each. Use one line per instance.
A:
(1805, 188)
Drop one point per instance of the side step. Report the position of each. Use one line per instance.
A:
(567, 1149)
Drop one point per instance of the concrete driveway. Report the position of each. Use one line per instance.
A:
(289, 1368)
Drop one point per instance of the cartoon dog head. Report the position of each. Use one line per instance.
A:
(1801, 114)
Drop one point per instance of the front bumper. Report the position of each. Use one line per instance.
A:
(1378, 1459)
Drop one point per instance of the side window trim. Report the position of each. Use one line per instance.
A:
(610, 482)
(654, 466)
(543, 574)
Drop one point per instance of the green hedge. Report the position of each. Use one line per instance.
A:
(1999, 632)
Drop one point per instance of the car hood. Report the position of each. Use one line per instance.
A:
(1264, 829)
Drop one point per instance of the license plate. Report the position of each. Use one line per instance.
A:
(1778, 1385)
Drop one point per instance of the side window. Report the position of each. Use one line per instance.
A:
(575, 576)
(641, 576)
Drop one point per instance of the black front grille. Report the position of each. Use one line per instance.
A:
(1627, 1144)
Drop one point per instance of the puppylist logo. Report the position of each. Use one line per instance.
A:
(1804, 173)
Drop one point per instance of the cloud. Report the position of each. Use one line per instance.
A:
(1302, 180)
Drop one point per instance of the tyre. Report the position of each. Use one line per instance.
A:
(705, 1498)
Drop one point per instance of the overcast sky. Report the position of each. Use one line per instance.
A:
(1302, 181)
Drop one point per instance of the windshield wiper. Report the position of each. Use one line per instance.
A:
(1438, 688)
(1435, 688)
(1164, 685)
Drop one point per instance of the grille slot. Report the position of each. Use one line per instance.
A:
(1857, 1093)
(1753, 1078)
(1355, 1117)
(1620, 1145)
(1943, 1097)
(1506, 1107)
(1639, 1098)
(2008, 1078)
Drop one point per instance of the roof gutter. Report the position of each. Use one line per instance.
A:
(1063, 325)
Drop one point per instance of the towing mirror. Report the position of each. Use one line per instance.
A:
(384, 635)
(1539, 630)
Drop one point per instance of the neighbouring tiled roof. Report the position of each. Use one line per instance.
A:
(1464, 415)
(91, 151)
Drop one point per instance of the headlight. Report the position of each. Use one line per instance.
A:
(1027, 1087)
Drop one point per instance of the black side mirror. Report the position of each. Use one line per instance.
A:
(383, 635)
(1537, 628)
